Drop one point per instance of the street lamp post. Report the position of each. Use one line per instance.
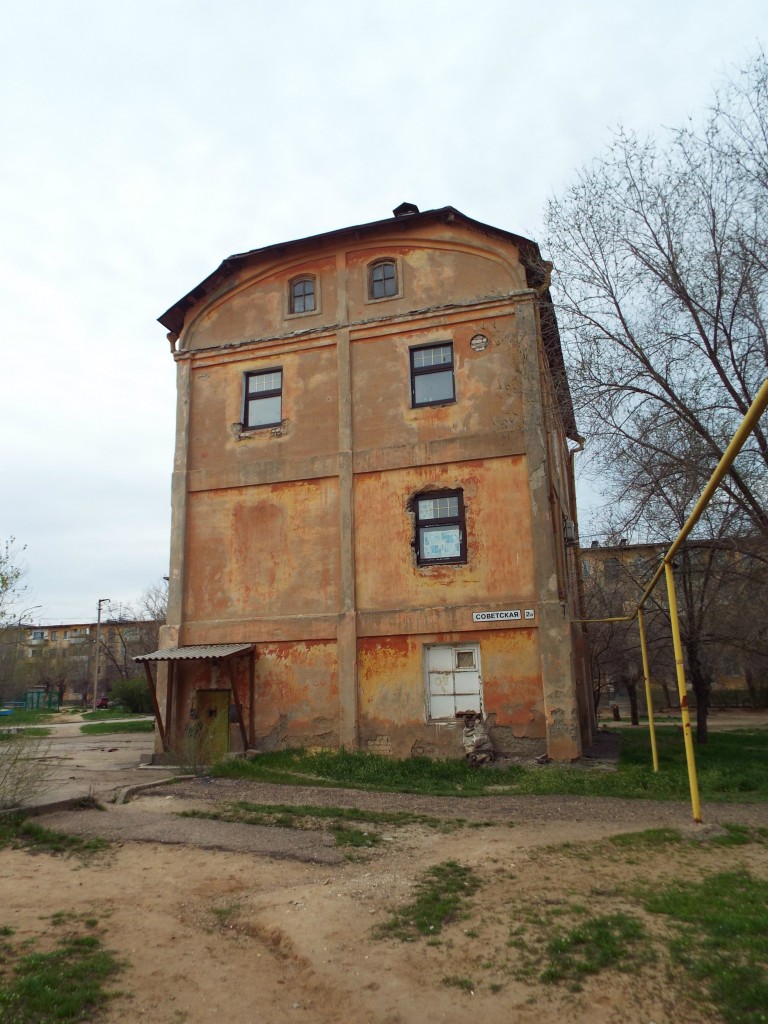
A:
(102, 600)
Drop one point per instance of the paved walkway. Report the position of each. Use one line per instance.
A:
(81, 766)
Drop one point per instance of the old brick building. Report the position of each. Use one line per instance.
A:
(373, 500)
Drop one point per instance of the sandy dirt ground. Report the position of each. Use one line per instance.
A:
(248, 924)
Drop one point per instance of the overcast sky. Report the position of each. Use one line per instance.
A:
(143, 142)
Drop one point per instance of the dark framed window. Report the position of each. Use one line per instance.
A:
(432, 374)
(382, 280)
(441, 535)
(263, 405)
(303, 298)
(611, 570)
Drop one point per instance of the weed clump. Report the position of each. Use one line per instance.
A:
(441, 894)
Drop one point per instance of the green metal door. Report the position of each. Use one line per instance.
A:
(212, 716)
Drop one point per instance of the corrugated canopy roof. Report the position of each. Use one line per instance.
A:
(199, 652)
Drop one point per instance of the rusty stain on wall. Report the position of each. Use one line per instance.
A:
(300, 538)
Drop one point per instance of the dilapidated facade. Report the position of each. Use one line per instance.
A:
(373, 498)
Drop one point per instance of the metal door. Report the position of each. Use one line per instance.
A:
(212, 717)
(454, 682)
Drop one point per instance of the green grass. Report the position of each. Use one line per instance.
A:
(66, 983)
(18, 832)
(105, 728)
(21, 716)
(441, 895)
(732, 766)
(721, 939)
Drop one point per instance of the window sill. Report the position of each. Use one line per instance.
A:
(384, 298)
(431, 405)
(268, 430)
(296, 316)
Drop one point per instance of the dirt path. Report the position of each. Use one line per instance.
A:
(244, 924)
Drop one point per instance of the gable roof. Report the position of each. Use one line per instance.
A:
(405, 217)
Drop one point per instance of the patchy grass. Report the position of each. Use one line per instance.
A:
(30, 730)
(721, 939)
(104, 728)
(733, 766)
(19, 832)
(457, 981)
(64, 981)
(111, 713)
(441, 895)
(346, 836)
(593, 945)
(331, 819)
(225, 914)
(649, 839)
(711, 933)
(273, 814)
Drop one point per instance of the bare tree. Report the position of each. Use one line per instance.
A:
(133, 629)
(663, 274)
(12, 589)
(612, 586)
(12, 573)
(663, 278)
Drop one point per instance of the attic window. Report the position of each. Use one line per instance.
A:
(382, 280)
(302, 295)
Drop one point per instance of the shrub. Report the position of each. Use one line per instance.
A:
(134, 694)
(24, 768)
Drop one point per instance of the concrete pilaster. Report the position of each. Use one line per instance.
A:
(555, 647)
(346, 643)
(169, 634)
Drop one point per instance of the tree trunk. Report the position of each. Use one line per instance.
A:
(700, 685)
(668, 702)
(750, 681)
(632, 694)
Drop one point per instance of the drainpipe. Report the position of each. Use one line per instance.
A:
(572, 488)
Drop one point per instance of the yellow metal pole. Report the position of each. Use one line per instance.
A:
(647, 677)
(686, 718)
(746, 427)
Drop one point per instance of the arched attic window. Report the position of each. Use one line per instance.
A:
(382, 279)
(302, 295)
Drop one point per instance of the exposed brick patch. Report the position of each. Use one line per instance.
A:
(380, 745)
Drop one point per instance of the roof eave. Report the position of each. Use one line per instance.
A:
(173, 318)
